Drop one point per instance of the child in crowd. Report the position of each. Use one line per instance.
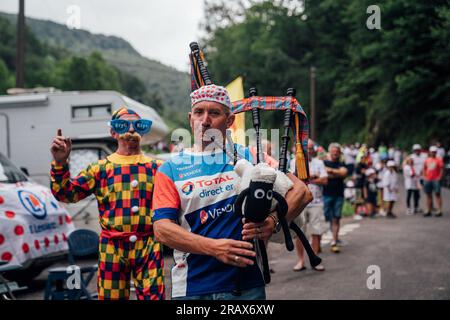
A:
(370, 192)
(390, 188)
(412, 185)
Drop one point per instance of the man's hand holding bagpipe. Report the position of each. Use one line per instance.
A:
(261, 231)
(234, 252)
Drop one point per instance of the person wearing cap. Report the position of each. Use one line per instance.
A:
(122, 184)
(370, 191)
(412, 184)
(418, 159)
(390, 188)
(433, 169)
(194, 209)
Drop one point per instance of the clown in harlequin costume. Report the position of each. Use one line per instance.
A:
(123, 186)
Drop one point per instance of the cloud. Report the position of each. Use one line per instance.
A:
(160, 30)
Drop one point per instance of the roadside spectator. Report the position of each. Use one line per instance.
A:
(390, 191)
(418, 161)
(350, 158)
(313, 215)
(333, 192)
(382, 150)
(360, 176)
(397, 157)
(267, 148)
(412, 185)
(381, 169)
(370, 192)
(440, 151)
(375, 156)
(433, 170)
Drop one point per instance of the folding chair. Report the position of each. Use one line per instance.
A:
(82, 243)
(8, 287)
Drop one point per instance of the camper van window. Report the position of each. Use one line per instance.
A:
(80, 113)
(98, 111)
(9, 173)
(81, 158)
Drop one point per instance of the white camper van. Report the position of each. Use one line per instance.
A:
(28, 123)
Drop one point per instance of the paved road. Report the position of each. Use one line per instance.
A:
(412, 252)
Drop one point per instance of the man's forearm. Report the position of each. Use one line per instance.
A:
(174, 236)
(320, 181)
(341, 172)
(337, 173)
(297, 198)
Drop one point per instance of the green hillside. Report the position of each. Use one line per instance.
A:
(166, 87)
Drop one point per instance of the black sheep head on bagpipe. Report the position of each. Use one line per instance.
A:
(260, 195)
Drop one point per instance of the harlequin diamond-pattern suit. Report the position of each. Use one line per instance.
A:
(123, 186)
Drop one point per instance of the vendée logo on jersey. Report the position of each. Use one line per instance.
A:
(203, 216)
(215, 212)
(188, 174)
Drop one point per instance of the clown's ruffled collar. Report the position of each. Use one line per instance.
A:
(133, 159)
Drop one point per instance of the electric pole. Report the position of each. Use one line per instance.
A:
(312, 73)
(20, 50)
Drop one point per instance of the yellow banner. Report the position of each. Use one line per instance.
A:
(236, 91)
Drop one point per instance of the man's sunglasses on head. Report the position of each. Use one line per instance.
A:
(141, 126)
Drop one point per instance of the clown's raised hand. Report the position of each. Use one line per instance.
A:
(60, 148)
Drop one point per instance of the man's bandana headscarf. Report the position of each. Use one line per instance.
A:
(122, 111)
(211, 93)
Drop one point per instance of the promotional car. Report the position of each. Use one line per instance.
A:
(33, 226)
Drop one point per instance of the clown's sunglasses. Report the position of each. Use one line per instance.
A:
(141, 126)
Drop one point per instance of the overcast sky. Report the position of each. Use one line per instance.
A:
(158, 29)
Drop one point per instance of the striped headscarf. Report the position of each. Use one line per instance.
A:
(122, 111)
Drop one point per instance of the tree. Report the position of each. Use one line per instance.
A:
(372, 85)
(6, 78)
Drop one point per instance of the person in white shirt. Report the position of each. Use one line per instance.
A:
(412, 185)
(391, 152)
(313, 218)
(350, 154)
(390, 188)
(397, 157)
(441, 151)
(418, 161)
(380, 168)
(376, 159)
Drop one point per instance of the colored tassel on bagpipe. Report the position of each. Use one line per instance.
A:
(300, 159)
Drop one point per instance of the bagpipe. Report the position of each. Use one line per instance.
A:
(258, 200)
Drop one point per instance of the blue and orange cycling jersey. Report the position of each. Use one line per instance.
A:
(198, 190)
